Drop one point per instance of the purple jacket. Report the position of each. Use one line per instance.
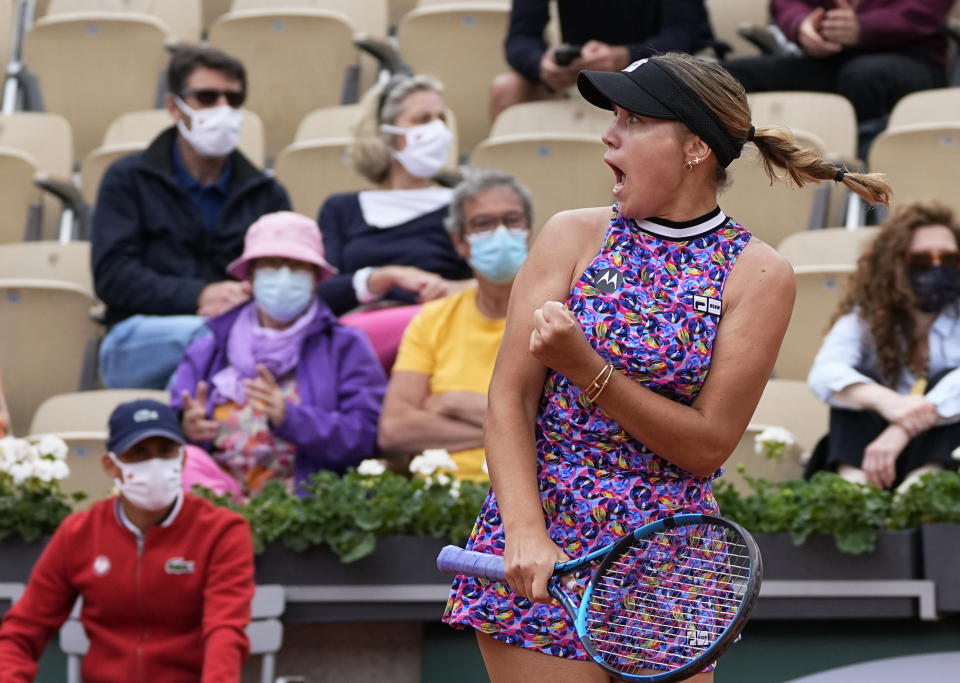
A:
(913, 26)
(341, 385)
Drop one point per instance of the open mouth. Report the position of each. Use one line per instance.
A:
(618, 174)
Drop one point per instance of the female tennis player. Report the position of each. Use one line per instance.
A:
(636, 348)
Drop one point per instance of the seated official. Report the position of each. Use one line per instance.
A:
(168, 220)
(280, 389)
(888, 366)
(437, 395)
(166, 577)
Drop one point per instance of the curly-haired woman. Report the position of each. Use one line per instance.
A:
(888, 366)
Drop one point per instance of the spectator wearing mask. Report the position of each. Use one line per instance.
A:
(437, 396)
(169, 219)
(389, 244)
(127, 556)
(280, 389)
(888, 367)
(873, 52)
(610, 34)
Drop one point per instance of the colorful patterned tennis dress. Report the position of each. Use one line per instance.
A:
(650, 303)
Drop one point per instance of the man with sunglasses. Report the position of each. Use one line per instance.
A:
(169, 219)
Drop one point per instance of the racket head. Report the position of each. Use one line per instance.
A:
(670, 598)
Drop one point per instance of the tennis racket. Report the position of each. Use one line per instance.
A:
(661, 604)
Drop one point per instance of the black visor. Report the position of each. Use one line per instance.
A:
(647, 88)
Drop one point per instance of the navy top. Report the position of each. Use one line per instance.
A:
(209, 199)
(647, 27)
(351, 244)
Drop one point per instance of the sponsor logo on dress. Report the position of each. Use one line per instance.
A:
(101, 565)
(698, 638)
(178, 565)
(608, 280)
(706, 304)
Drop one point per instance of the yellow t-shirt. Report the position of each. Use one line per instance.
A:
(453, 343)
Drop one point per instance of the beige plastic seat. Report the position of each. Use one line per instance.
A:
(827, 116)
(369, 17)
(212, 9)
(819, 290)
(49, 260)
(552, 116)
(920, 161)
(462, 46)
(312, 170)
(940, 105)
(726, 16)
(46, 325)
(94, 67)
(562, 171)
(7, 21)
(17, 194)
(80, 419)
(771, 212)
(182, 17)
(329, 122)
(785, 403)
(829, 246)
(133, 132)
(296, 61)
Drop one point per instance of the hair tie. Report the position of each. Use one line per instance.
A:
(838, 176)
(750, 133)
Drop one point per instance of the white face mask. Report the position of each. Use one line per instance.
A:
(213, 132)
(426, 150)
(282, 293)
(151, 484)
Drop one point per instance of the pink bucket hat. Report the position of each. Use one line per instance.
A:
(283, 234)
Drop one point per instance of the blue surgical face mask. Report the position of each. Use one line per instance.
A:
(498, 254)
(282, 293)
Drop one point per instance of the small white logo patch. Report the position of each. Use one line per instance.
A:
(635, 65)
(697, 638)
(101, 565)
(178, 565)
(145, 415)
(707, 304)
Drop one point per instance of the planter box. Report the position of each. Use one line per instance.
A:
(17, 558)
(941, 556)
(897, 556)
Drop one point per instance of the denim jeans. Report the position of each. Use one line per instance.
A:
(143, 351)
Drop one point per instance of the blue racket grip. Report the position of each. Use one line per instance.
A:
(453, 560)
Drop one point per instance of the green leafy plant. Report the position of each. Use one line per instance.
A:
(934, 499)
(854, 515)
(348, 513)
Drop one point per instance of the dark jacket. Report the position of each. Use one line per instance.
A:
(646, 27)
(151, 252)
(340, 381)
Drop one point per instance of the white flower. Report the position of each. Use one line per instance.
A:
(20, 472)
(955, 454)
(14, 451)
(442, 479)
(431, 460)
(455, 489)
(50, 470)
(773, 442)
(52, 445)
(371, 468)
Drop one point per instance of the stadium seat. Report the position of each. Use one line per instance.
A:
(181, 17)
(94, 67)
(7, 20)
(48, 260)
(819, 290)
(552, 116)
(785, 403)
(726, 16)
(312, 170)
(920, 161)
(264, 632)
(829, 246)
(829, 117)
(562, 171)
(462, 46)
(46, 329)
(80, 419)
(211, 10)
(940, 105)
(772, 212)
(369, 17)
(328, 122)
(296, 62)
(133, 131)
(18, 195)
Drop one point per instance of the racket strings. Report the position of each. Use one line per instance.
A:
(667, 599)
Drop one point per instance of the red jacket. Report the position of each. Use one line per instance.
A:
(172, 612)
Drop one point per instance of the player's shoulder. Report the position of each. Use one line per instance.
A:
(575, 225)
(760, 267)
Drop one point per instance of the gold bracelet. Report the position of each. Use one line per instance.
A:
(592, 392)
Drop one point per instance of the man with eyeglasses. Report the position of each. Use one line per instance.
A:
(169, 219)
(437, 395)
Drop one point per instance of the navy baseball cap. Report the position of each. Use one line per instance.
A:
(131, 423)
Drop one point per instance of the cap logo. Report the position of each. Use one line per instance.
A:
(635, 65)
(145, 415)
(101, 565)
